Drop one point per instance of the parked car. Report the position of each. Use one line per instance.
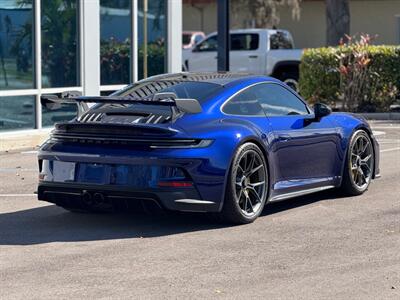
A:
(189, 40)
(395, 107)
(208, 142)
(256, 51)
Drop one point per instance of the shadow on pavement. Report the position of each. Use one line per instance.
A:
(288, 204)
(53, 224)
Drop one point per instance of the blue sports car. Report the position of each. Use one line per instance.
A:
(221, 143)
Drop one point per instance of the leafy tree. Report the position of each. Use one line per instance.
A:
(264, 13)
(337, 21)
(59, 41)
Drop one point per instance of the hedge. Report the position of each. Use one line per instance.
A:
(320, 79)
(115, 61)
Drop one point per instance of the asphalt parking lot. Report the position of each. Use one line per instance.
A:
(313, 247)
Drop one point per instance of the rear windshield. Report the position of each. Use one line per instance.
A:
(188, 89)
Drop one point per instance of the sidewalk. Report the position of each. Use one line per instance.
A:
(30, 139)
(382, 116)
(24, 139)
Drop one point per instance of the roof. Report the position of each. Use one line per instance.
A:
(192, 32)
(250, 30)
(220, 78)
(146, 87)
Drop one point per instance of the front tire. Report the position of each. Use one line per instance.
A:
(358, 169)
(247, 186)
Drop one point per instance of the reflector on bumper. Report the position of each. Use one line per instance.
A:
(135, 176)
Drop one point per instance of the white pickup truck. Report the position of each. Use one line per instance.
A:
(256, 51)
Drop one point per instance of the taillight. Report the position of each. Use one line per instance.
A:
(176, 184)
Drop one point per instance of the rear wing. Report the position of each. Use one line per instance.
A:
(52, 102)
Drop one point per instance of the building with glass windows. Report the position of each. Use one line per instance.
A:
(91, 46)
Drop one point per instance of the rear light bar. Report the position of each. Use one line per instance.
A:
(152, 143)
(177, 145)
(176, 184)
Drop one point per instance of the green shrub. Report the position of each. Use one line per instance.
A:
(115, 61)
(322, 81)
(155, 60)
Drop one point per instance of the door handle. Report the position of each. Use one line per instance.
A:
(253, 56)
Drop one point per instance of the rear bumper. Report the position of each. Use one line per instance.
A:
(106, 198)
(206, 167)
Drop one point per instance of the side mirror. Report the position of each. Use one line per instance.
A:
(321, 110)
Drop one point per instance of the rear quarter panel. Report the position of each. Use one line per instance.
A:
(347, 124)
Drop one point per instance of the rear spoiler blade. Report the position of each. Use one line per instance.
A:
(192, 106)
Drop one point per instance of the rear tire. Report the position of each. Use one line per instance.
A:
(359, 165)
(247, 186)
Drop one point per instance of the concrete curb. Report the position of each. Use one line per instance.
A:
(24, 139)
(29, 139)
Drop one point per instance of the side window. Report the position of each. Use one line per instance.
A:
(276, 100)
(244, 41)
(281, 40)
(209, 44)
(238, 42)
(244, 104)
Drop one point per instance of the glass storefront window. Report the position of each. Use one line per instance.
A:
(60, 46)
(115, 41)
(17, 112)
(16, 45)
(156, 37)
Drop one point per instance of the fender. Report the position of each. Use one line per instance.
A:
(261, 144)
(359, 123)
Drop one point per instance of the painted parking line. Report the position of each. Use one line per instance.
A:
(381, 142)
(12, 170)
(385, 127)
(378, 133)
(29, 152)
(18, 195)
(390, 149)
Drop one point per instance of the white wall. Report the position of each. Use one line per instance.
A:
(376, 17)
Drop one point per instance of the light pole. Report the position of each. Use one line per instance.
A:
(145, 10)
(223, 35)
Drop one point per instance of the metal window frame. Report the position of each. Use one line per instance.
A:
(38, 62)
(134, 51)
(87, 54)
(38, 90)
(174, 36)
